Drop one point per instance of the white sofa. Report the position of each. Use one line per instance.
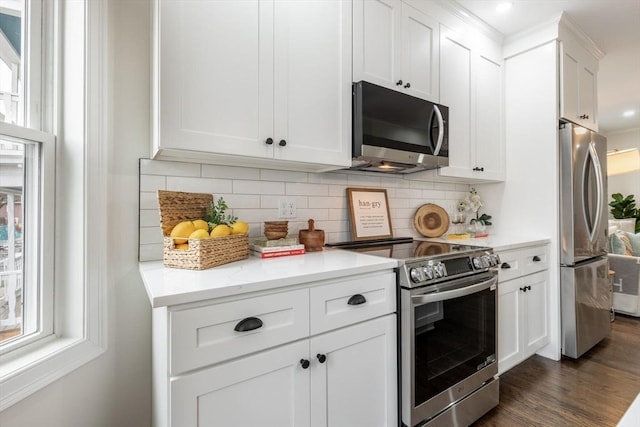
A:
(626, 283)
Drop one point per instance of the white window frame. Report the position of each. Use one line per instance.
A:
(78, 111)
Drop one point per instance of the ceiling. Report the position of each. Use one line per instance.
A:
(613, 25)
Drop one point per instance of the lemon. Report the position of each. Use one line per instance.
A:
(201, 224)
(220, 230)
(183, 230)
(182, 246)
(199, 234)
(239, 227)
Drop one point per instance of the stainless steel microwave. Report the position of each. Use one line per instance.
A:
(397, 133)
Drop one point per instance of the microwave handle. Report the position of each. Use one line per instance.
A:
(440, 130)
(455, 293)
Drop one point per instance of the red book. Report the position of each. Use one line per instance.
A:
(273, 254)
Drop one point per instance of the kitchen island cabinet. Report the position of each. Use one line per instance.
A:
(311, 345)
(260, 83)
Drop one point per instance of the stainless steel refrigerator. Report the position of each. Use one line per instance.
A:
(585, 291)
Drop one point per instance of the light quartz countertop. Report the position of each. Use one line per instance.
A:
(500, 242)
(171, 286)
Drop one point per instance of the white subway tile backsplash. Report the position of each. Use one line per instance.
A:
(253, 195)
(298, 189)
(152, 183)
(284, 176)
(199, 185)
(258, 187)
(160, 167)
(230, 172)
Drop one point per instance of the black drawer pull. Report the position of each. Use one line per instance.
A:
(505, 266)
(282, 143)
(407, 86)
(304, 363)
(357, 299)
(399, 83)
(536, 258)
(248, 324)
(321, 357)
(269, 141)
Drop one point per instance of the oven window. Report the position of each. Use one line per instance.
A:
(453, 340)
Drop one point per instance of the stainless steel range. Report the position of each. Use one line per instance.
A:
(448, 329)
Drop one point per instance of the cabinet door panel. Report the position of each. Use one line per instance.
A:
(267, 389)
(313, 81)
(570, 76)
(509, 319)
(455, 93)
(420, 53)
(588, 96)
(216, 76)
(356, 385)
(376, 40)
(489, 152)
(537, 323)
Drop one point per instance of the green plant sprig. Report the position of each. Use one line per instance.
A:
(216, 214)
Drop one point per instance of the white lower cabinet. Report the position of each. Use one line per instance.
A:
(229, 363)
(523, 308)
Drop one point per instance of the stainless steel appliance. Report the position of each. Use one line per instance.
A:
(448, 330)
(584, 273)
(397, 133)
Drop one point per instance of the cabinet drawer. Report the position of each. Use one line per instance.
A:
(511, 265)
(349, 301)
(206, 335)
(520, 262)
(536, 259)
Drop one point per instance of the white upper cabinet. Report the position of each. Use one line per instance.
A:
(471, 86)
(396, 46)
(268, 83)
(578, 85)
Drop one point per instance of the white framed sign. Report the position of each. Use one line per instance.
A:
(369, 213)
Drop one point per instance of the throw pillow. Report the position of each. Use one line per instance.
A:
(617, 245)
(634, 242)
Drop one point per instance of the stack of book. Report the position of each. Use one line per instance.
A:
(264, 248)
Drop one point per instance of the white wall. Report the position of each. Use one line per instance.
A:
(628, 183)
(114, 389)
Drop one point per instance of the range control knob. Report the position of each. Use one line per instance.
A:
(477, 263)
(495, 260)
(428, 271)
(486, 261)
(416, 274)
(439, 270)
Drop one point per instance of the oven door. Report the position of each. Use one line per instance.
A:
(448, 344)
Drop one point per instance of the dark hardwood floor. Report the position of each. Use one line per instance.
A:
(594, 390)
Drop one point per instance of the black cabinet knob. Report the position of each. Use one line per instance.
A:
(399, 83)
(282, 143)
(407, 86)
(321, 357)
(269, 141)
(528, 287)
(304, 363)
(524, 289)
(536, 258)
(505, 266)
(357, 299)
(248, 324)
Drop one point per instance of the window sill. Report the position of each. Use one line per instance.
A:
(42, 364)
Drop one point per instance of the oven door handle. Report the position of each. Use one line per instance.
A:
(455, 293)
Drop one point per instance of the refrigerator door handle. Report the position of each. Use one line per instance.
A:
(595, 160)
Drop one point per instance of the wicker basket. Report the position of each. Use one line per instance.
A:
(175, 207)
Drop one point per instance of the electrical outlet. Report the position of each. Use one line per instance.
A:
(286, 208)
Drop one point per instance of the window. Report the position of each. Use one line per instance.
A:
(26, 186)
(58, 302)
